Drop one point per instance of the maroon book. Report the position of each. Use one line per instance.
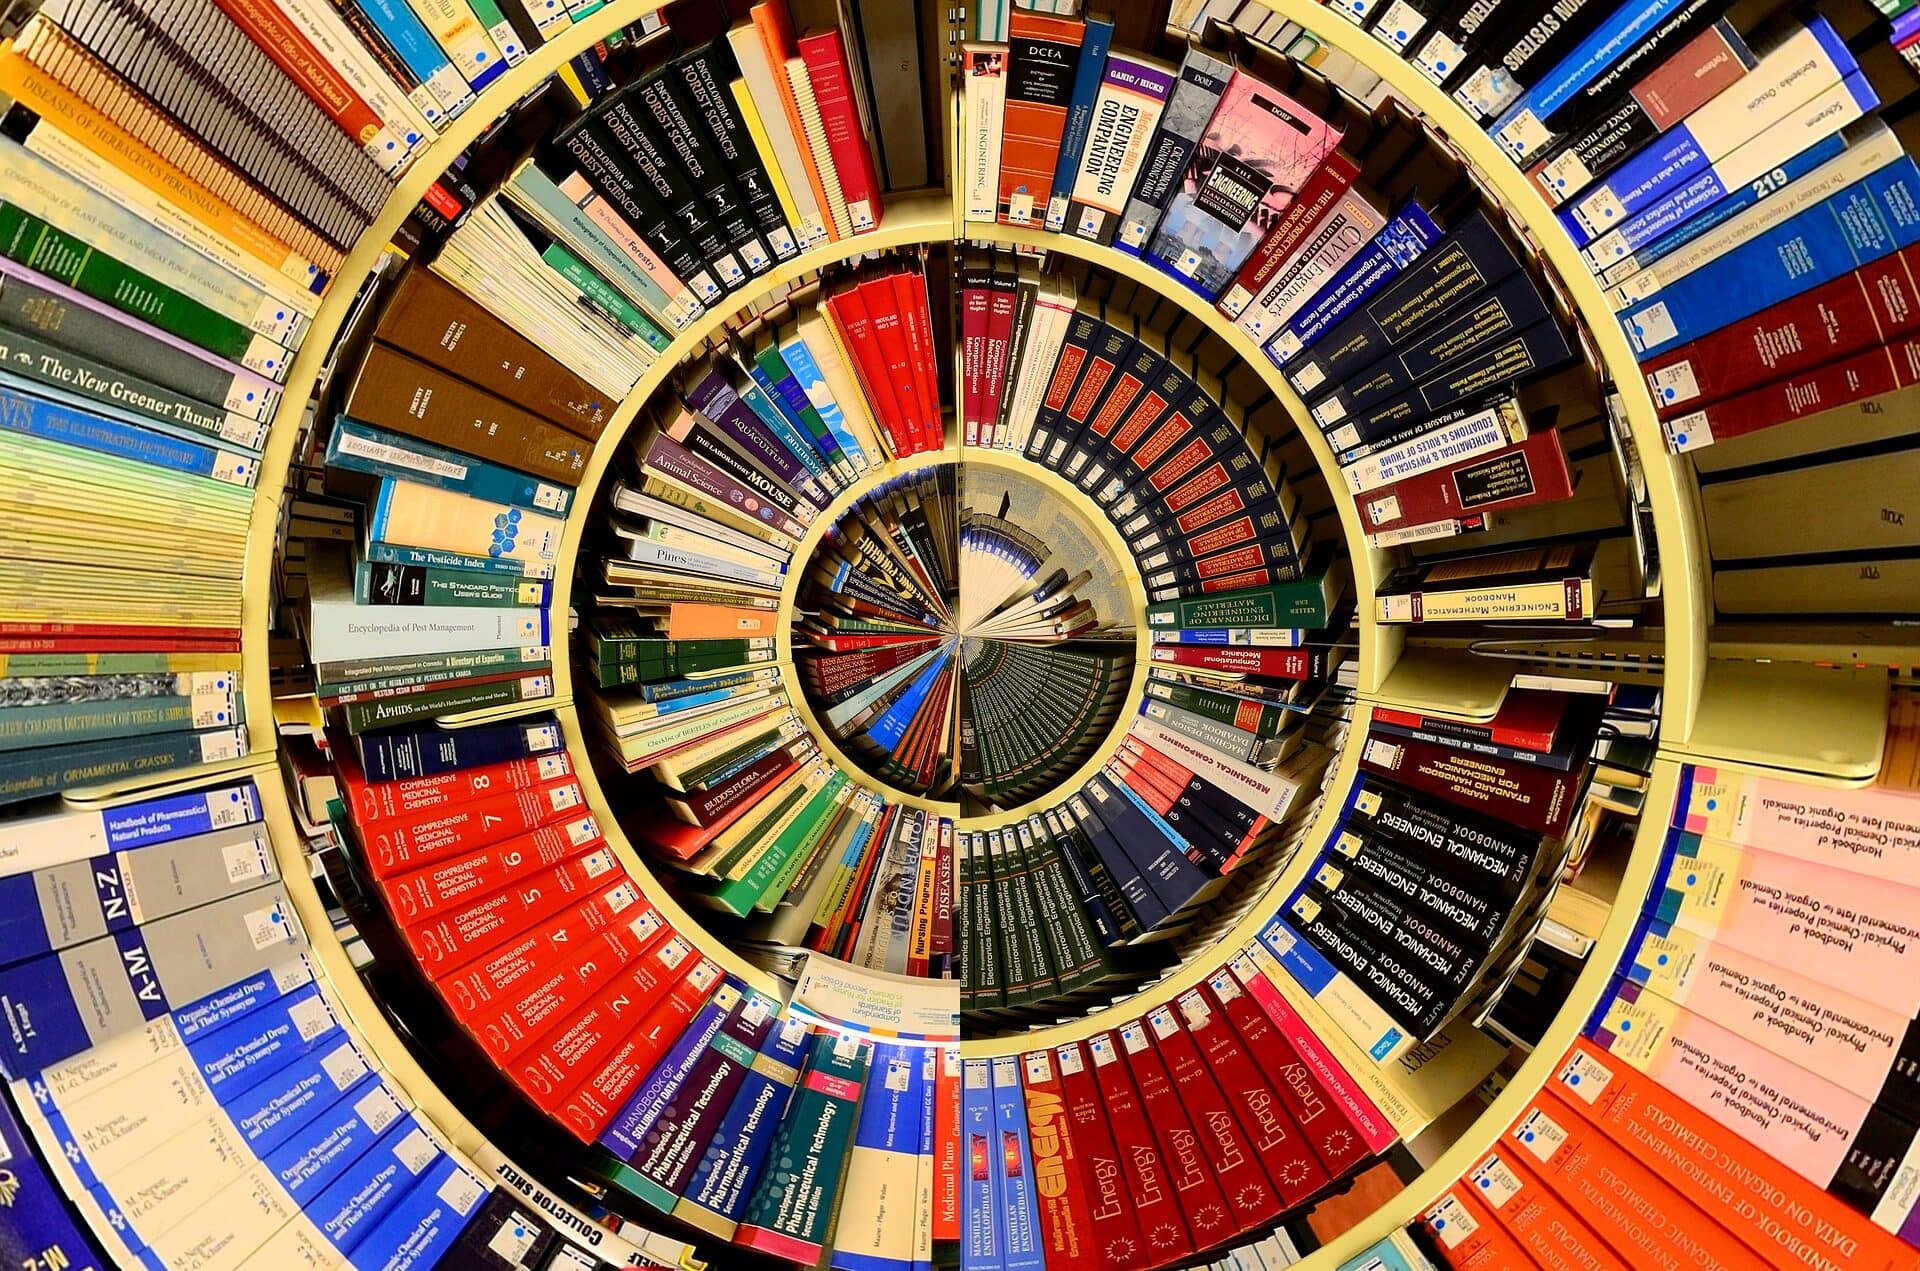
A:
(1208, 1216)
(1527, 796)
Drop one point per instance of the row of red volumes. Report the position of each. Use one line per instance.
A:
(885, 323)
(1206, 1118)
(1605, 1169)
(988, 298)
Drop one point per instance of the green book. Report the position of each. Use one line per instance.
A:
(35, 359)
(616, 307)
(1308, 601)
(791, 1212)
(387, 583)
(386, 712)
(1262, 719)
(774, 365)
(34, 243)
(1080, 958)
(473, 662)
(742, 896)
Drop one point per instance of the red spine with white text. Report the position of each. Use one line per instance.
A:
(1118, 1242)
(1250, 1195)
(946, 1144)
(1310, 206)
(1289, 664)
(848, 311)
(1198, 1194)
(1003, 297)
(413, 797)
(1864, 309)
(576, 1046)
(396, 844)
(896, 358)
(1296, 1172)
(974, 305)
(1525, 473)
(424, 893)
(446, 943)
(826, 58)
(598, 1099)
(910, 290)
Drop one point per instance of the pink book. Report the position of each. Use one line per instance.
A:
(826, 59)
(1872, 829)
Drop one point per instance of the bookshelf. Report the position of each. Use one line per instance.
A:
(1811, 703)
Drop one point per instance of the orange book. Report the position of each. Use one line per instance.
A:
(689, 621)
(48, 98)
(1471, 1240)
(778, 38)
(1043, 51)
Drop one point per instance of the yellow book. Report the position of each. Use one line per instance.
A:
(571, 78)
(46, 97)
(786, 726)
(835, 361)
(757, 131)
(426, 516)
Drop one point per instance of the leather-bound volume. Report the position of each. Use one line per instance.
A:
(409, 396)
(435, 321)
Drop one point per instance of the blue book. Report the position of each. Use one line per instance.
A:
(1021, 1249)
(892, 725)
(717, 1194)
(273, 1110)
(360, 447)
(776, 376)
(417, 1233)
(807, 374)
(430, 751)
(1520, 130)
(1676, 157)
(247, 437)
(982, 1204)
(1411, 232)
(242, 998)
(1073, 137)
(238, 1057)
(421, 54)
(1865, 221)
(766, 409)
(1140, 897)
(875, 1231)
(1162, 858)
(333, 1139)
(1695, 208)
(33, 416)
(39, 1230)
(352, 1206)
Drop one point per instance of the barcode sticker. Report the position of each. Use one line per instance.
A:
(269, 926)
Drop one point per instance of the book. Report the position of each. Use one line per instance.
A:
(832, 89)
(1203, 78)
(984, 97)
(1043, 56)
(1264, 147)
(1088, 74)
(791, 1209)
(1131, 94)
(1530, 583)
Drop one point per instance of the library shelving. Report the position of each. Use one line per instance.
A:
(1805, 701)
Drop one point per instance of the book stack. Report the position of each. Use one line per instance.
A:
(1436, 877)
(1718, 976)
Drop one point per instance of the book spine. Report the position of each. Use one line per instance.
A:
(704, 74)
(1226, 1154)
(1457, 391)
(1712, 62)
(1473, 258)
(791, 1211)
(1189, 107)
(1869, 219)
(1865, 375)
(1532, 798)
(985, 98)
(1528, 472)
(1391, 252)
(388, 712)
(1790, 117)
(1087, 78)
(1322, 190)
(1042, 60)
(447, 93)
(1516, 56)
(826, 61)
(113, 388)
(1336, 240)
(1532, 1218)
(1114, 1231)
(321, 82)
(1146, 1179)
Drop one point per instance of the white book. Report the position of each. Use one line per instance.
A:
(68, 835)
(801, 82)
(983, 72)
(1498, 425)
(330, 36)
(1052, 312)
(751, 57)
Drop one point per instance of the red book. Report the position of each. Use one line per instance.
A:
(449, 942)
(975, 306)
(1119, 402)
(511, 998)
(910, 286)
(871, 640)
(1528, 719)
(579, 1043)
(1296, 1172)
(1250, 1195)
(831, 675)
(410, 799)
(946, 1145)
(1194, 1188)
(488, 981)
(1316, 198)
(705, 805)
(1851, 379)
(280, 40)
(1043, 53)
(1066, 1228)
(682, 841)
(1205, 497)
(1330, 1135)
(1864, 309)
(826, 58)
(942, 942)
(1524, 795)
(1265, 576)
(180, 642)
(1118, 1244)
(896, 358)
(221, 636)
(599, 1099)
(1290, 664)
(848, 309)
(1525, 473)
(396, 844)
(424, 893)
(1001, 302)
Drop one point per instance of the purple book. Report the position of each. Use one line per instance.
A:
(715, 397)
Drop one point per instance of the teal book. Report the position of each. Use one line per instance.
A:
(791, 1213)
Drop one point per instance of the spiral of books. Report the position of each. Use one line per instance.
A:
(882, 634)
